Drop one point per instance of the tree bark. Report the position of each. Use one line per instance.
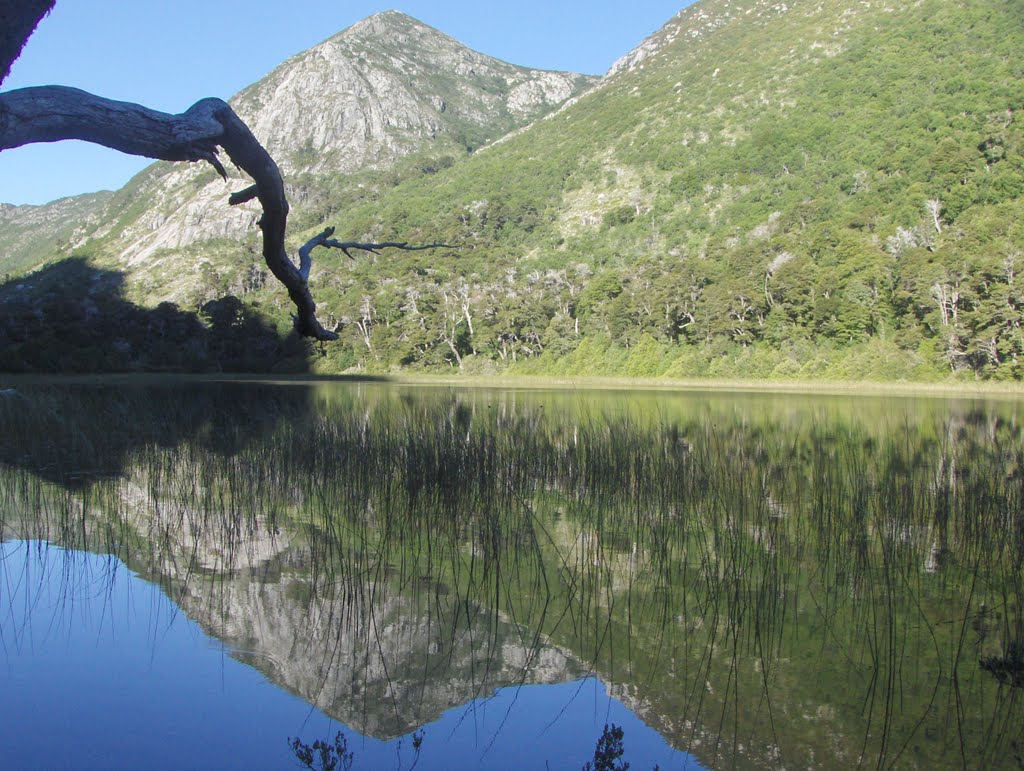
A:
(52, 113)
(18, 20)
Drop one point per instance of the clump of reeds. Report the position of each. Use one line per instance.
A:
(713, 559)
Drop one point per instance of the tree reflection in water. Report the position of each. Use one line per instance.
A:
(764, 580)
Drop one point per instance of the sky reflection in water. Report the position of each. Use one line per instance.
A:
(766, 580)
(101, 670)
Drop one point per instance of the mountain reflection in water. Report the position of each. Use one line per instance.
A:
(103, 672)
(763, 580)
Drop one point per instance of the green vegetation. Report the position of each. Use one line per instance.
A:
(323, 755)
(769, 578)
(73, 317)
(850, 210)
(608, 751)
(790, 191)
(29, 234)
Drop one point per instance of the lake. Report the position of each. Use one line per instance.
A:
(198, 574)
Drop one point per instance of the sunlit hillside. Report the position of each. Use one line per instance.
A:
(794, 189)
(810, 189)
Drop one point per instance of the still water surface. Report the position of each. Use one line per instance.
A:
(191, 574)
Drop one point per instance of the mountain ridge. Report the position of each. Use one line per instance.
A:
(370, 77)
(771, 190)
(818, 188)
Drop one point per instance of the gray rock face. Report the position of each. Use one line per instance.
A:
(383, 87)
(378, 660)
(380, 90)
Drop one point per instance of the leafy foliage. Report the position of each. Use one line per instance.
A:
(859, 200)
(1009, 668)
(608, 751)
(803, 191)
(74, 317)
(323, 755)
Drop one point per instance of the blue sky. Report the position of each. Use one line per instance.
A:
(168, 55)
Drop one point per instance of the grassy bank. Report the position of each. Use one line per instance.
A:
(952, 389)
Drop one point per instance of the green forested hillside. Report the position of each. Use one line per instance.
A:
(808, 189)
(789, 190)
(28, 233)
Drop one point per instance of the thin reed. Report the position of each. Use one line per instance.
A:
(765, 581)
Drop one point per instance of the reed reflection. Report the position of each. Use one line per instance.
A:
(764, 580)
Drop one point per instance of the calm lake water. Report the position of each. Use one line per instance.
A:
(193, 574)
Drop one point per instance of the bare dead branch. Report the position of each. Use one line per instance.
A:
(54, 113)
(345, 246)
(324, 239)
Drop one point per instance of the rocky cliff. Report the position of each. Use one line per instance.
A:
(384, 89)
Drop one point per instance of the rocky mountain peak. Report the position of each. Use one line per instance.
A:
(380, 90)
(384, 24)
(393, 82)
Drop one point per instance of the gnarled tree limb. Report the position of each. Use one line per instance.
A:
(51, 113)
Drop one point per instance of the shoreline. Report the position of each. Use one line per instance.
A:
(1011, 390)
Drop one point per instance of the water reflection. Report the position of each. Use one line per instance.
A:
(100, 671)
(763, 580)
(103, 671)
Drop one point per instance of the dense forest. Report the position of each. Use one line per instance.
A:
(809, 190)
(855, 215)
